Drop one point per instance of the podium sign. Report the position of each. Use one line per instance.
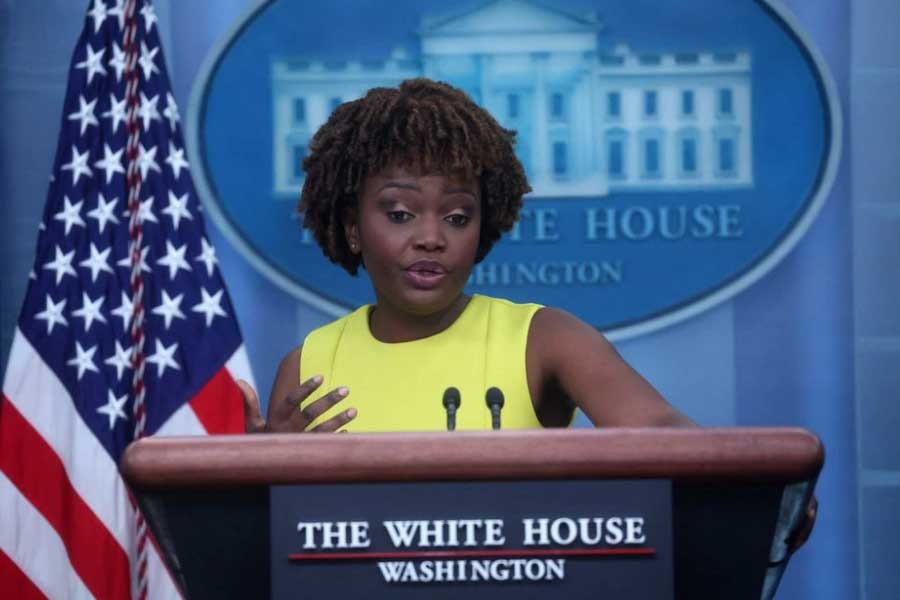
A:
(491, 539)
(735, 496)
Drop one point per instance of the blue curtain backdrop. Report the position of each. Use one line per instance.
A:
(815, 343)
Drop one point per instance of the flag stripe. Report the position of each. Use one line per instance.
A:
(43, 559)
(42, 400)
(14, 583)
(183, 421)
(32, 466)
(239, 367)
(218, 405)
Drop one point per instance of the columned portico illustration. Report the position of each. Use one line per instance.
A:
(592, 116)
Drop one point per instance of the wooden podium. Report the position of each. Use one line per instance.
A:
(737, 493)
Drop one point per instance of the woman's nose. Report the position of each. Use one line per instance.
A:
(429, 235)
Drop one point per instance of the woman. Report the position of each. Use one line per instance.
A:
(416, 184)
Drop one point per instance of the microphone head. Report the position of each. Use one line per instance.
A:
(494, 397)
(452, 398)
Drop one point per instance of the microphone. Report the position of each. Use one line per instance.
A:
(494, 399)
(451, 403)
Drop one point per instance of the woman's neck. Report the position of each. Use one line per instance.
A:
(390, 324)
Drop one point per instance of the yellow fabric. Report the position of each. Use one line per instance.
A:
(399, 387)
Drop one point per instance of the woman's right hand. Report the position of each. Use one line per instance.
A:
(285, 415)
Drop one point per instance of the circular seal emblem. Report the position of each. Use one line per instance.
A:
(677, 152)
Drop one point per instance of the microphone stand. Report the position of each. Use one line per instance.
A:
(494, 400)
(452, 402)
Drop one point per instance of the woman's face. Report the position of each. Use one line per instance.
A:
(418, 236)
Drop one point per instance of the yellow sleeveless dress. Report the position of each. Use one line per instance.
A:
(400, 386)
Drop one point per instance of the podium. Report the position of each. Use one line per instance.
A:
(736, 493)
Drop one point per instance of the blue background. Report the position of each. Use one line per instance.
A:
(789, 148)
(815, 343)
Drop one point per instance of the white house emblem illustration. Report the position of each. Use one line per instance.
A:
(589, 121)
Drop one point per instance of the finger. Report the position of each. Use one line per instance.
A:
(253, 420)
(335, 422)
(317, 408)
(287, 407)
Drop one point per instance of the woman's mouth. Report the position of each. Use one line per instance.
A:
(425, 274)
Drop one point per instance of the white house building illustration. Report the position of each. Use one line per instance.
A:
(588, 121)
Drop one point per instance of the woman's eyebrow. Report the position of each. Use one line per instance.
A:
(461, 190)
(404, 185)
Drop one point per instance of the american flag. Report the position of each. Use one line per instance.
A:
(126, 330)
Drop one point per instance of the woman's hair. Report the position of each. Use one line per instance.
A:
(429, 125)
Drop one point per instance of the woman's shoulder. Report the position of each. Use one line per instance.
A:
(557, 340)
(549, 322)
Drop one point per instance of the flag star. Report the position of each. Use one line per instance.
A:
(171, 111)
(98, 14)
(97, 262)
(147, 160)
(176, 160)
(177, 209)
(53, 314)
(114, 408)
(116, 112)
(126, 262)
(170, 308)
(32, 275)
(117, 62)
(84, 360)
(62, 264)
(147, 111)
(146, 61)
(118, 11)
(85, 114)
(174, 259)
(145, 212)
(124, 310)
(210, 306)
(207, 256)
(111, 163)
(90, 310)
(149, 17)
(79, 165)
(121, 360)
(104, 212)
(71, 214)
(93, 63)
(164, 357)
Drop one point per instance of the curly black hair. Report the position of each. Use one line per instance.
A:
(423, 123)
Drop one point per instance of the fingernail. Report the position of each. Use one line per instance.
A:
(351, 412)
(316, 379)
(342, 391)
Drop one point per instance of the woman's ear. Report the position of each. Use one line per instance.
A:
(351, 229)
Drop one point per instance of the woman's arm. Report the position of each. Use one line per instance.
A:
(571, 362)
(284, 414)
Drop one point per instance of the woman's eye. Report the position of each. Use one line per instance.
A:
(399, 216)
(458, 220)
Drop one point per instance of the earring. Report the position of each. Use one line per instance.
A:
(353, 247)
